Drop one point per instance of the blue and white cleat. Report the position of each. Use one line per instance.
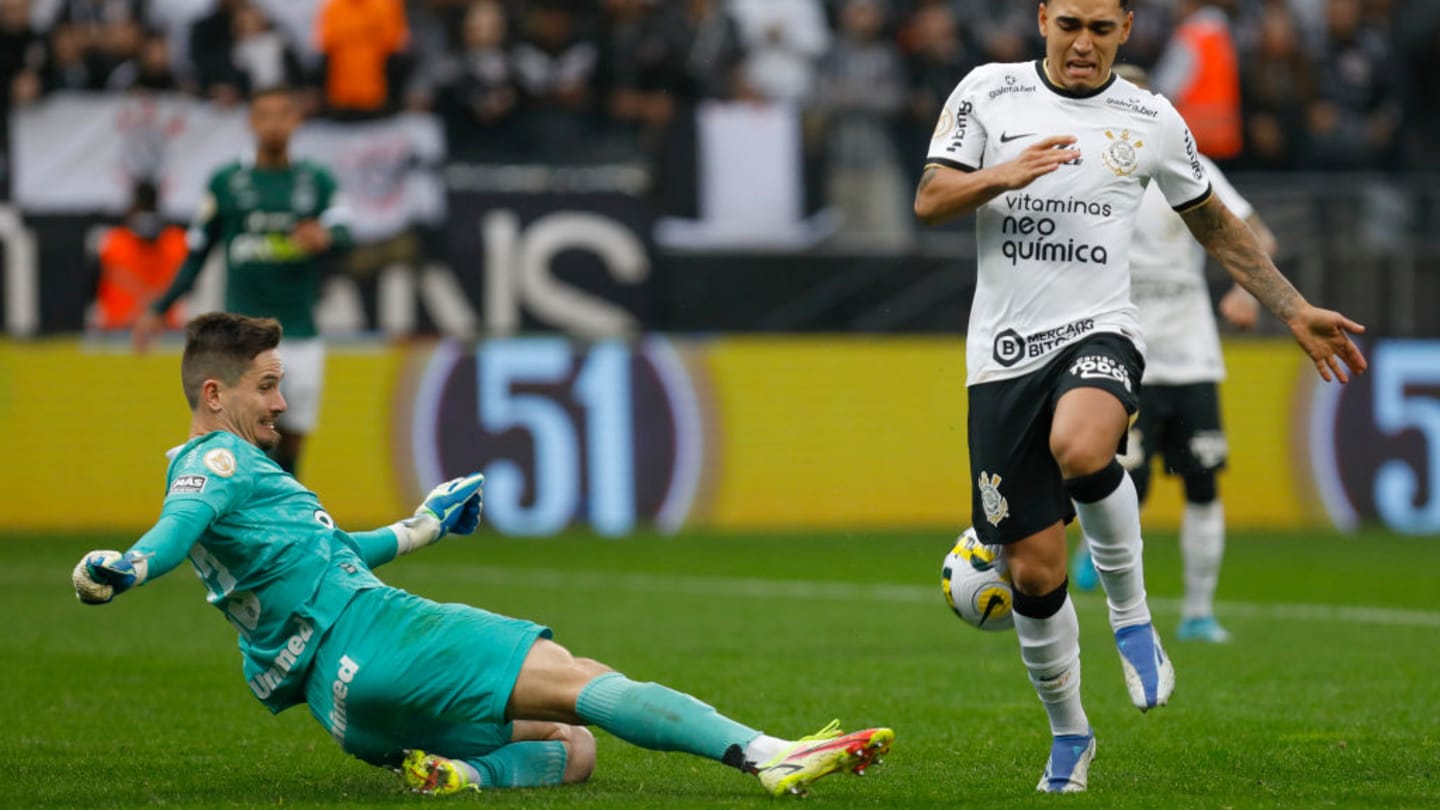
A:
(1149, 675)
(1082, 569)
(1202, 628)
(1068, 770)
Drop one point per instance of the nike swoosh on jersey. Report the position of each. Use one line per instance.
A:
(1006, 137)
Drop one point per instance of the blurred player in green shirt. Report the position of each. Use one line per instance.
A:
(274, 218)
(454, 697)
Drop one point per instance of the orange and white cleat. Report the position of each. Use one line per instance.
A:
(821, 754)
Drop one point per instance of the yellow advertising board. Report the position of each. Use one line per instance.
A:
(88, 424)
(730, 432)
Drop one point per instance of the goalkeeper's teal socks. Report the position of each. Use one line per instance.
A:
(521, 764)
(659, 718)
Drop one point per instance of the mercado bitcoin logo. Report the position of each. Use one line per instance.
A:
(606, 434)
(1375, 443)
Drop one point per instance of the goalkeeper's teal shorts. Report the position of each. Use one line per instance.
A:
(397, 672)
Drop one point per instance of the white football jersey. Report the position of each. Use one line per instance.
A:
(1055, 256)
(1167, 281)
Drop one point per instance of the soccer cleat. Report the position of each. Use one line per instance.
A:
(1202, 628)
(1068, 769)
(1149, 675)
(1082, 570)
(821, 754)
(434, 775)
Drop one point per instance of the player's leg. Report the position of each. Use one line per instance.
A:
(1020, 502)
(555, 685)
(1137, 457)
(1201, 454)
(538, 754)
(1096, 397)
(420, 687)
(302, 386)
(1049, 634)
(576, 741)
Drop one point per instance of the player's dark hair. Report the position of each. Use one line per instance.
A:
(1124, 4)
(221, 346)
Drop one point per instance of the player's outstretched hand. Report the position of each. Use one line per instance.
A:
(456, 504)
(1039, 159)
(102, 575)
(1325, 336)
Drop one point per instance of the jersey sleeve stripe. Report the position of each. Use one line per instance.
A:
(1197, 202)
(949, 164)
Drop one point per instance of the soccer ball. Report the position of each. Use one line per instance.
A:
(976, 584)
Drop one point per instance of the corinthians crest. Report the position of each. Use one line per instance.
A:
(1121, 155)
(996, 507)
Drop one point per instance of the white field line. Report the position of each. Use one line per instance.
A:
(806, 590)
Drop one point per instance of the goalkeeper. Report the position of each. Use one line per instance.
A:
(453, 697)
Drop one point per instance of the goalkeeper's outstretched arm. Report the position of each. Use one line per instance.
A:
(104, 574)
(452, 508)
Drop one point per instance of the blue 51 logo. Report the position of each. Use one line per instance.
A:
(604, 433)
(1375, 443)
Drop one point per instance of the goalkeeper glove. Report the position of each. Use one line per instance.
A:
(102, 575)
(452, 508)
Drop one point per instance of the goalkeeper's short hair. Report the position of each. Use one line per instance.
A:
(221, 346)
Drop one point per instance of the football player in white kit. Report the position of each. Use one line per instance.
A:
(1053, 157)
(1179, 417)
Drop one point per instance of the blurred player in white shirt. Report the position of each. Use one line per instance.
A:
(1179, 418)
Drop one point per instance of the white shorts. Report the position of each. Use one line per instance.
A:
(304, 380)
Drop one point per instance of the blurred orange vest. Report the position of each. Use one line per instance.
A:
(1210, 101)
(134, 272)
(357, 36)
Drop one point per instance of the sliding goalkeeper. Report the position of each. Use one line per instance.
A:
(453, 697)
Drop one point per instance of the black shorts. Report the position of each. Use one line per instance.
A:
(1016, 488)
(1181, 424)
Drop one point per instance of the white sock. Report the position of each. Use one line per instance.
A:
(1202, 544)
(470, 771)
(1112, 527)
(762, 749)
(1050, 649)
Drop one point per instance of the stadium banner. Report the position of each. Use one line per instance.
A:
(553, 248)
(724, 432)
(81, 153)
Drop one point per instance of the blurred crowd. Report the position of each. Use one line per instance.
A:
(1323, 84)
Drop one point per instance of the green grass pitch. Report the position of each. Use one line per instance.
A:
(1328, 697)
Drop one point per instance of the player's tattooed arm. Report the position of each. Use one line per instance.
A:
(1322, 333)
(928, 177)
(1235, 246)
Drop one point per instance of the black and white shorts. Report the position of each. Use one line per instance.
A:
(1015, 484)
(1181, 424)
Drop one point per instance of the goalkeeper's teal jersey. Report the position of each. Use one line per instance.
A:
(273, 560)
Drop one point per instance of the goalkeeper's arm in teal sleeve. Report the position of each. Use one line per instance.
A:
(452, 508)
(102, 575)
